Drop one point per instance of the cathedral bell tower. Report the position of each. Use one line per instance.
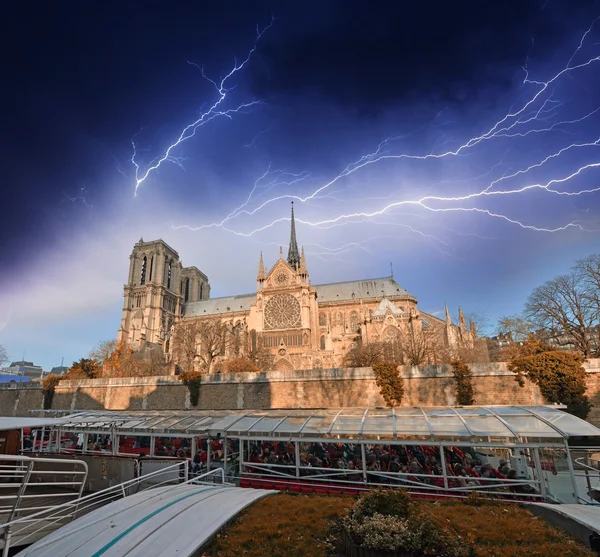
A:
(152, 296)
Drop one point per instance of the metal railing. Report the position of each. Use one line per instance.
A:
(586, 469)
(31, 485)
(33, 527)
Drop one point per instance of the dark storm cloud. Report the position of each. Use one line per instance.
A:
(374, 54)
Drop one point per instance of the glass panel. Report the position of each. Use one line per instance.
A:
(417, 467)
(136, 445)
(99, 442)
(179, 447)
(291, 425)
(447, 425)
(530, 426)
(201, 456)
(268, 423)
(200, 424)
(271, 458)
(317, 425)
(487, 426)
(348, 425)
(166, 423)
(331, 461)
(409, 425)
(568, 423)
(71, 441)
(382, 426)
(187, 422)
(243, 425)
(150, 422)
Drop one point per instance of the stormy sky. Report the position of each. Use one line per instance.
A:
(456, 140)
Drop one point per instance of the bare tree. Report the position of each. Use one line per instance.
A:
(478, 321)
(589, 272)
(365, 355)
(185, 344)
(414, 344)
(562, 307)
(3, 355)
(426, 344)
(213, 340)
(516, 328)
(102, 351)
(255, 351)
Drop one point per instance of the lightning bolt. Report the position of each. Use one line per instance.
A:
(215, 110)
(536, 113)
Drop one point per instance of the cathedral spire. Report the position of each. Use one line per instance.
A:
(303, 269)
(448, 318)
(461, 319)
(293, 257)
(261, 269)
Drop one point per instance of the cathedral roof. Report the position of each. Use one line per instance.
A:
(216, 306)
(361, 289)
(332, 292)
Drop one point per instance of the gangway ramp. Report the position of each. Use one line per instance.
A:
(172, 520)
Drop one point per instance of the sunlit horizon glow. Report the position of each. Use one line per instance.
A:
(474, 203)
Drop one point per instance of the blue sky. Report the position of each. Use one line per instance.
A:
(458, 144)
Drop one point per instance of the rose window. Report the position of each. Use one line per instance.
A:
(281, 279)
(282, 312)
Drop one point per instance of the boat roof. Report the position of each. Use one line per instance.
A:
(438, 423)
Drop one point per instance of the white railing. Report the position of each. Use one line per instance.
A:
(37, 525)
(586, 469)
(31, 485)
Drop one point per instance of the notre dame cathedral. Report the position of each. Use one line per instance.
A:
(303, 326)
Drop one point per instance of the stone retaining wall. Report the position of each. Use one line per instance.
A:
(348, 387)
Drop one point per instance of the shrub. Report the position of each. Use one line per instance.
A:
(236, 365)
(391, 521)
(464, 383)
(85, 368)
(193, 380)
(49, 384)
(389, 382)
(389, 533)
(395, 502)
(559, 375)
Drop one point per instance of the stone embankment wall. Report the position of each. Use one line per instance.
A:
(424, 386)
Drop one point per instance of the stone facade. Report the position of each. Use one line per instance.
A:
(331, 388)
(303, 326)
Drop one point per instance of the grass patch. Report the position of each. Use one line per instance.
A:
(281, 526)
(285, 525)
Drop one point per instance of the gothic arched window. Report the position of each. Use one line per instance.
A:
(322, 319)
(169, 273)
(151, 265)
(354, 321)
(187, 290)
(143, 277)
(322, 342)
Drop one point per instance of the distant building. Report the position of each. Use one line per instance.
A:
(23, 368)
(59, 370)
(6, 378)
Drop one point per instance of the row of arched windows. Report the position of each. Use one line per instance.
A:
(339, 318)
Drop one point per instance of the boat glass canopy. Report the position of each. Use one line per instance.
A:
(513, 423)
